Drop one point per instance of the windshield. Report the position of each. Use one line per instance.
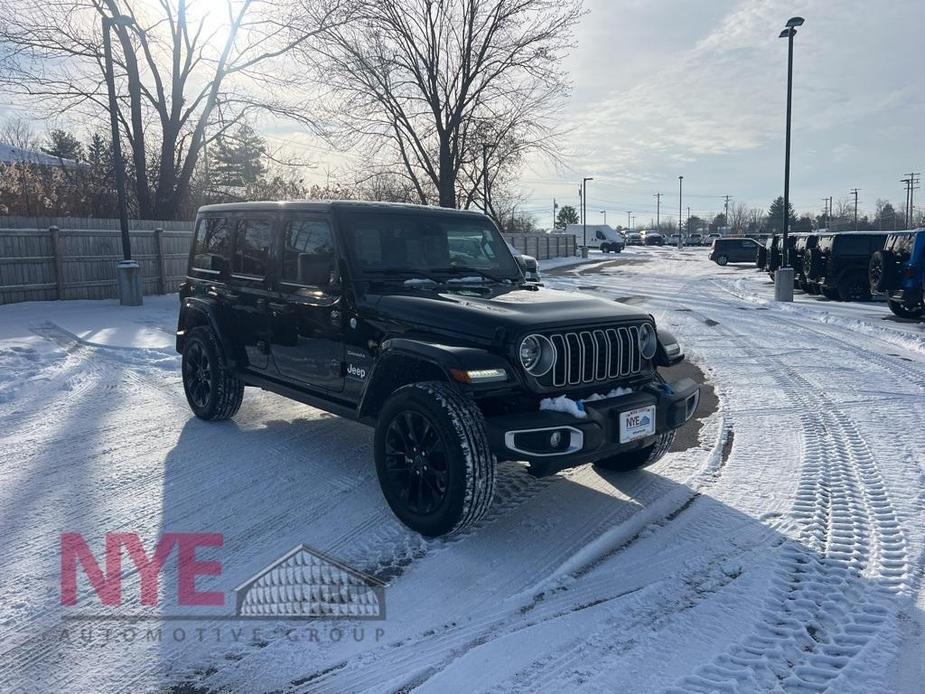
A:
(431, 246)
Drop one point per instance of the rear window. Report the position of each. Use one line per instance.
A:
(212, 248)
(900, 243)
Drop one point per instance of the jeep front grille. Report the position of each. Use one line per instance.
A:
(586, 356)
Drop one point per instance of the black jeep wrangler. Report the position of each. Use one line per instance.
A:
(799, 261)
(419, 322)
(837, 266)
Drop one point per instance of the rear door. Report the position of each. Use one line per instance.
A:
(249, 285)
(306, 332)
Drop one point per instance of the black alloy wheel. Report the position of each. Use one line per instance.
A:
(197, 375)
(416, 462)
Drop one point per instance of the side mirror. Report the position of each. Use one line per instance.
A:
(529, 266)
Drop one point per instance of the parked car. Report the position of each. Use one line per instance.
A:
(812, 263)
(773, 247)
(839, 264)
(761, 257)
(674, 239)
(803, 244)
(899, 271)
(695, 239)
(733, 249)
(653, 238)
(418, 322)
(633, 238)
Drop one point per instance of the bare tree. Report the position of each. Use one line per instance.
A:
(436, 87)
(186, 71)
(738, 217)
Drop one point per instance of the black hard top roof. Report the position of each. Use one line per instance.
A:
(327, 205)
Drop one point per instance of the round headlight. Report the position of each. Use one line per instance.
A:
(648, 341)
(537, 355)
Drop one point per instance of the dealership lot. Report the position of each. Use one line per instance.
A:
(781, 548)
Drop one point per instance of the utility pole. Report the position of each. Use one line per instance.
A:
(688, 221)
(726, 213)
(628, 213)
(555, 207)
(658, 210)
(680, 198)
(911, 186)
(854, 192)
(604, 212)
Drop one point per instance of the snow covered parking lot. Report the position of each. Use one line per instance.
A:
(780, 551)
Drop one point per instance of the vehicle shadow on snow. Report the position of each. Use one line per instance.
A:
(268, 486)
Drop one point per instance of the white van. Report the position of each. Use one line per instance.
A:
(601, 236)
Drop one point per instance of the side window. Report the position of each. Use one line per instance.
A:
(253, 239)
(213, 245)
(852, 245)
(600, 235)
(308, 252)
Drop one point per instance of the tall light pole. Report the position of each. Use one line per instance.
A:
(658, 210)
(555, 207)
(783, 276)
(680, 198)
(628, 213)
(127, 271)
(584, 215)
(854, 192)
(604, 212)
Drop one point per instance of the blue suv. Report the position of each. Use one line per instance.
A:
(899, 272)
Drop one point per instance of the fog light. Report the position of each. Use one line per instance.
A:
(555, 438)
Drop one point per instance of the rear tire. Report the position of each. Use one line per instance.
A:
(213, 390)
(882, 271)
(854, 286)
(643, 457)
(829, 293)
(902, 310)
(432, 458)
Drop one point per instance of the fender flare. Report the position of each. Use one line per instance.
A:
(402, 360)
(203, 312)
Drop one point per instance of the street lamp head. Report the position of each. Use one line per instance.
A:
(788, 33)
(795, 22)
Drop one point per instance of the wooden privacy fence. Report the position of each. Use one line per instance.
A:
(544, 246)
(69, 263)
(70, 260)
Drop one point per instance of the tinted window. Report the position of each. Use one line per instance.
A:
(213, 244)
(901, 243)
(252, 247)
(308, 252)
(853, 245)
(749, 244)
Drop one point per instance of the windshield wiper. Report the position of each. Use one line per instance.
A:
(462, 269)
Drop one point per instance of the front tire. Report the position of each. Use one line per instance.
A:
(643, 457)
(213, 390)
(854, 287)
(829, 293)
(432, 458)
(902, 310)
(722, 260)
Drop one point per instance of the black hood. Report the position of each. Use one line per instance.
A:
(481, 312)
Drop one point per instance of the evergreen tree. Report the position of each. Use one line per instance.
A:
(64, 145)
(238, 159)
(776, 216)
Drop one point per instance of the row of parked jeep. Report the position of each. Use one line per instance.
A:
(845, 266)
(853, 266)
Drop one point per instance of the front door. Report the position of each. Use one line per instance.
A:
(248, 286)
(306, 334)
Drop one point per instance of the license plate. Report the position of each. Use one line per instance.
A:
(637, 424)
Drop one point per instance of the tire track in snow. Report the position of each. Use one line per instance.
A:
(820, 613)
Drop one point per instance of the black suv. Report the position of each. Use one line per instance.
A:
(799, 259)
(735, 249)
(419, 322)
(838, 264)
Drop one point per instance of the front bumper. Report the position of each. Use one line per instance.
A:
(526, 435)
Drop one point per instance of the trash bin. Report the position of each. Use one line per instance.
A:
(128, 274)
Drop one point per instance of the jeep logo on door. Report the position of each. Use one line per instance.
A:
(356, 372)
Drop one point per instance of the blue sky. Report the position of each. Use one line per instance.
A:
(676, 87)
